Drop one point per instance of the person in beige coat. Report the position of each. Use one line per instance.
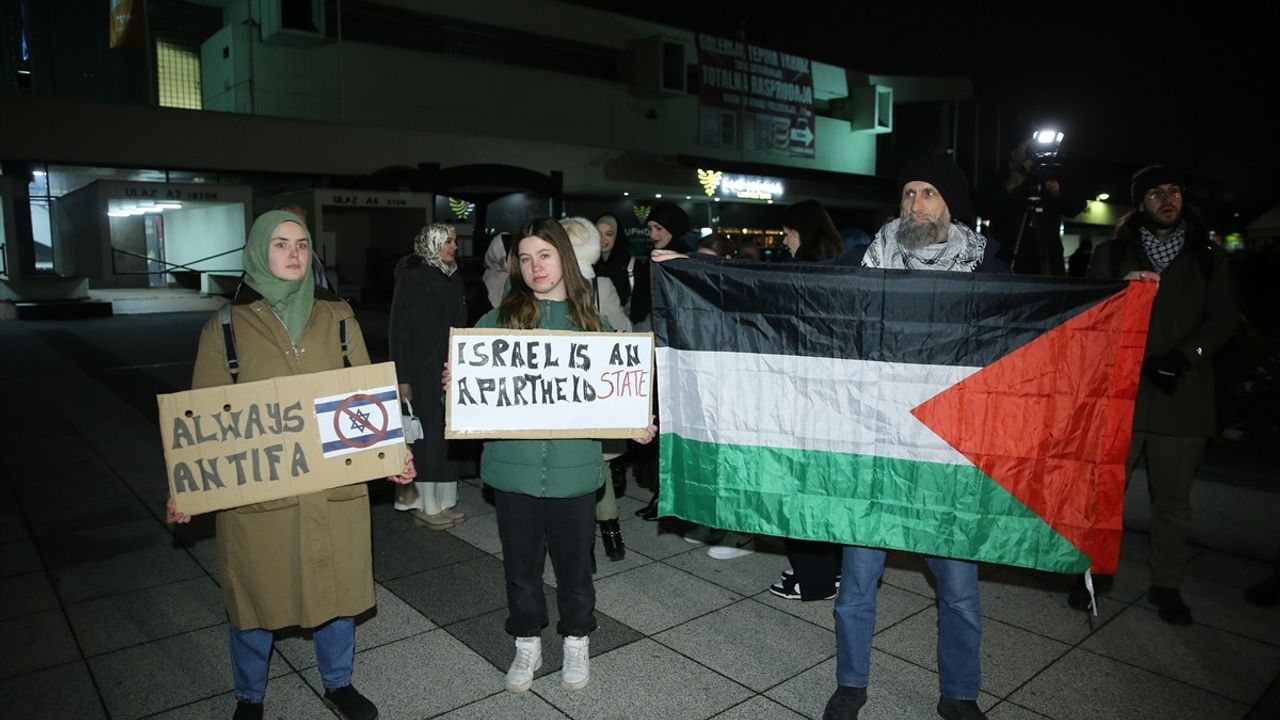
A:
(302, 561)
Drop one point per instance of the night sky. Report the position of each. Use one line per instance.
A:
(1196, 85)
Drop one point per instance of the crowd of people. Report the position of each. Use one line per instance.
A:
(553, 496)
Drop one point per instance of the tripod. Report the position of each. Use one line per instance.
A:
(1032, 228)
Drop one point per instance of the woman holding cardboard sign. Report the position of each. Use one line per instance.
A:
(545, 490)
(301, 561)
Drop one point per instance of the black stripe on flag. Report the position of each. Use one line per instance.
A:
(920, 317)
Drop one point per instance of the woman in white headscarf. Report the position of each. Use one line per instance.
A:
(428, 300)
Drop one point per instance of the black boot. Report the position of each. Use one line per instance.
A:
(611, 536)
(649, 512)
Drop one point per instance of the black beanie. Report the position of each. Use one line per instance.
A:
(670, 217)
(942, 173)
(1152, 176)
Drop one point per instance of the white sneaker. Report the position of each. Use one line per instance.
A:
(734, 545)
(526, 662)
(576, 671)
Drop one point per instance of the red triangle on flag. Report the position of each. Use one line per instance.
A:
(1051, 421)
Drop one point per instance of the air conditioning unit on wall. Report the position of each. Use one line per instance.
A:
(297, 23)
(658, 67)
(868, 109)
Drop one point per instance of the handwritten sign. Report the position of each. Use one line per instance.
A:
(251, 442)
(544, 384)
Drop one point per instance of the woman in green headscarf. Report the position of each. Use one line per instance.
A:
(302, 561)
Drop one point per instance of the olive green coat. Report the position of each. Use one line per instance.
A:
(302, 560)
(542, 468)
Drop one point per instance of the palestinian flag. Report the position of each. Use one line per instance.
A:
(982, 417)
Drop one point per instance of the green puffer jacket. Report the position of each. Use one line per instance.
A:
(542, 468)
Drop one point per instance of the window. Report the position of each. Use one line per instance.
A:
(178, 76)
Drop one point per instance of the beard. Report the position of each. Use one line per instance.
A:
(916, 235)
(1154, 221)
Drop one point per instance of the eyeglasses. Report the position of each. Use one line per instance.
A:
(1158, 194)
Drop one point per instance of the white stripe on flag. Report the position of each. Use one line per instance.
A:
(804, 403)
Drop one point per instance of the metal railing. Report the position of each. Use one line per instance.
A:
(169, 266)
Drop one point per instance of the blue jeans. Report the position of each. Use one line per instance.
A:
(335, 643)
(959, 621)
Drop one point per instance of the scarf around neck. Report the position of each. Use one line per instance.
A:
(1162, 251)
(290, 299)
(962, 251)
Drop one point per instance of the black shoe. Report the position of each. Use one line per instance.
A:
(1169, 602)
(953, 709)
(347, 703)
(649, 512)
(845, 703)
(247, 711)
(611, 536)
(1265, 593)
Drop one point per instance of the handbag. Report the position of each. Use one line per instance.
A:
(411, 424)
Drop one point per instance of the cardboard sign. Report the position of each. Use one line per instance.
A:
(234, 445)
(545, 384)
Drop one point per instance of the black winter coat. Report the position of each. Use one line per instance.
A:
(1194, 313)
(425, 305)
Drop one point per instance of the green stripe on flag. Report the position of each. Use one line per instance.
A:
(932, 508)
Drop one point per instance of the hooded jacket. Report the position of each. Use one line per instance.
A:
(300, 560)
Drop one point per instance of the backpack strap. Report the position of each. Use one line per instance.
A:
(342, 342)
(595, 290)
(229, 356)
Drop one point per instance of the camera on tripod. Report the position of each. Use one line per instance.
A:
(1043, 152)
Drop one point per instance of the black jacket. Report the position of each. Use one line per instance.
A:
(1194, 313)
(425, 304)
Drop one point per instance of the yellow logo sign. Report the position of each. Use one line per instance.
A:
(461, 208)
(709, 180)
(642, 212)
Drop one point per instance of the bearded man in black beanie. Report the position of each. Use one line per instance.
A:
(1162, 239)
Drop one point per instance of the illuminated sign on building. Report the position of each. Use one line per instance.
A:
(741, 187)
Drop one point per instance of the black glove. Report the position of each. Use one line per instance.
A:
(1164, 371)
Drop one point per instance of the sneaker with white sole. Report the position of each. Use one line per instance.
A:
(788, 587)
(526, 662)
(733, 545)
(576, 671)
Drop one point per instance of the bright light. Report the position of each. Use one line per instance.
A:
(152, 210)
(686, 197)
(37, 173)
(1104, 196)
(119, 213)
(657, 195)
(626, 194)
(704, 231)
(169, 205)
(716, 199)
(1044, 137)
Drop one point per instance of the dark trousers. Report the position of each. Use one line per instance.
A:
(529, 528)
(816, 565)
(1171, 464)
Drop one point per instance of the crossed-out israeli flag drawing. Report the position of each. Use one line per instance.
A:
(361, 420)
